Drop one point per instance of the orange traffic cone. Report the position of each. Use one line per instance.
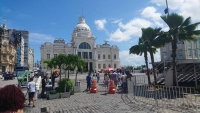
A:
(112, 89)
(94, 87)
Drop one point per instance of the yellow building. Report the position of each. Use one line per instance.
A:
(7, 51)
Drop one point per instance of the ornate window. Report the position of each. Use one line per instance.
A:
(195, 53)
(104, 56)
(99, 56)
(84, 45)
(79, 54)
(115, 57)
(104, 65)
(48, 56)
(85, 55)
(90, 55)
(108, 56)
(99, 66)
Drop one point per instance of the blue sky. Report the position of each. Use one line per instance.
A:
(119, 21)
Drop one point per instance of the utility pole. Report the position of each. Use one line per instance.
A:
(167, 9)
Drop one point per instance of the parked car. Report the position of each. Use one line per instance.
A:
(9, 76)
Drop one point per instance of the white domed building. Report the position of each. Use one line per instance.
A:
(98, 56)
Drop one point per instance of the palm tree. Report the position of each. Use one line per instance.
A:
(59, 61)
(150, 37)
(179, 29)
(49, 64)
(68, 63)
(77, 63)
(139, 50)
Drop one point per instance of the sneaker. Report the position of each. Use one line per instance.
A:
(33, 105)
(29, 104)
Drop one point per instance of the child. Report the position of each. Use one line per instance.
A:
(106, 81)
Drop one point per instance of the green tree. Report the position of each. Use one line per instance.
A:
(69, 63)
(78, 64)
(140, 49)
(49, 64)
(150, 38)
(179, 30)
(59, 61)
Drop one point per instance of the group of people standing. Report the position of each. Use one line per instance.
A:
(119, 79)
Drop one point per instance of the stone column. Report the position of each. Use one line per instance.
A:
(88, 66)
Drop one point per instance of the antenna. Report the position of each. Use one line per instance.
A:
(4, 20)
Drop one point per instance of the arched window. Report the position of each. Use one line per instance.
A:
(84, 45)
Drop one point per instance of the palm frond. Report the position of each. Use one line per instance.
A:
(186, 22)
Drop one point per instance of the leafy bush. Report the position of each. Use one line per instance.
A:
(69, 85)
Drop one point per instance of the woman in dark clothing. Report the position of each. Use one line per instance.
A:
(43, 85)
(54, 75)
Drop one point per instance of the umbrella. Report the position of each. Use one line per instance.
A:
(109, 69)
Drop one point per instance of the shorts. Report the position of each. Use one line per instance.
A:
(116, 83)
(106, 83)
(31, 95)
(124, 84)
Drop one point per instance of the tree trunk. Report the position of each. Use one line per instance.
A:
(146, 61)
(174, 47)
(152, 61)
(68, 74)
(60, 72)
(65, 74)
(76, 78)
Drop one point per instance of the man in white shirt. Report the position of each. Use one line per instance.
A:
(31, 91)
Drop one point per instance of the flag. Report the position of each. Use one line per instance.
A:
(166, 10)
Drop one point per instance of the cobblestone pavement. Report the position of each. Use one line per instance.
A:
(85, 102)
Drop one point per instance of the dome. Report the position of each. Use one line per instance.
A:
(82, 26)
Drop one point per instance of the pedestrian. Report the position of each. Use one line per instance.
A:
(98, 76)
(44, 82)
(119, 78)
(89, 81)
(31, 91)
(11, 99)
(54, 76)
(114, 77)
(106, 81)
(124, 82)
(94, 74)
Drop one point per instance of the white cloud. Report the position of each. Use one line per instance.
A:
(184, 7)
(172, 4)
(136, 60)
(116, 21)
(40, 38)
(191, 8)
(165, 29)
(150, 12)
(100, 24)
(124, 32)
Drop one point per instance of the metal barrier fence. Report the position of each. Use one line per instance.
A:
(179, 99)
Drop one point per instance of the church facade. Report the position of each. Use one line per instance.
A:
(97, 56)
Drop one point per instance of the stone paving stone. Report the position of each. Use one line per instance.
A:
(85, 102)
